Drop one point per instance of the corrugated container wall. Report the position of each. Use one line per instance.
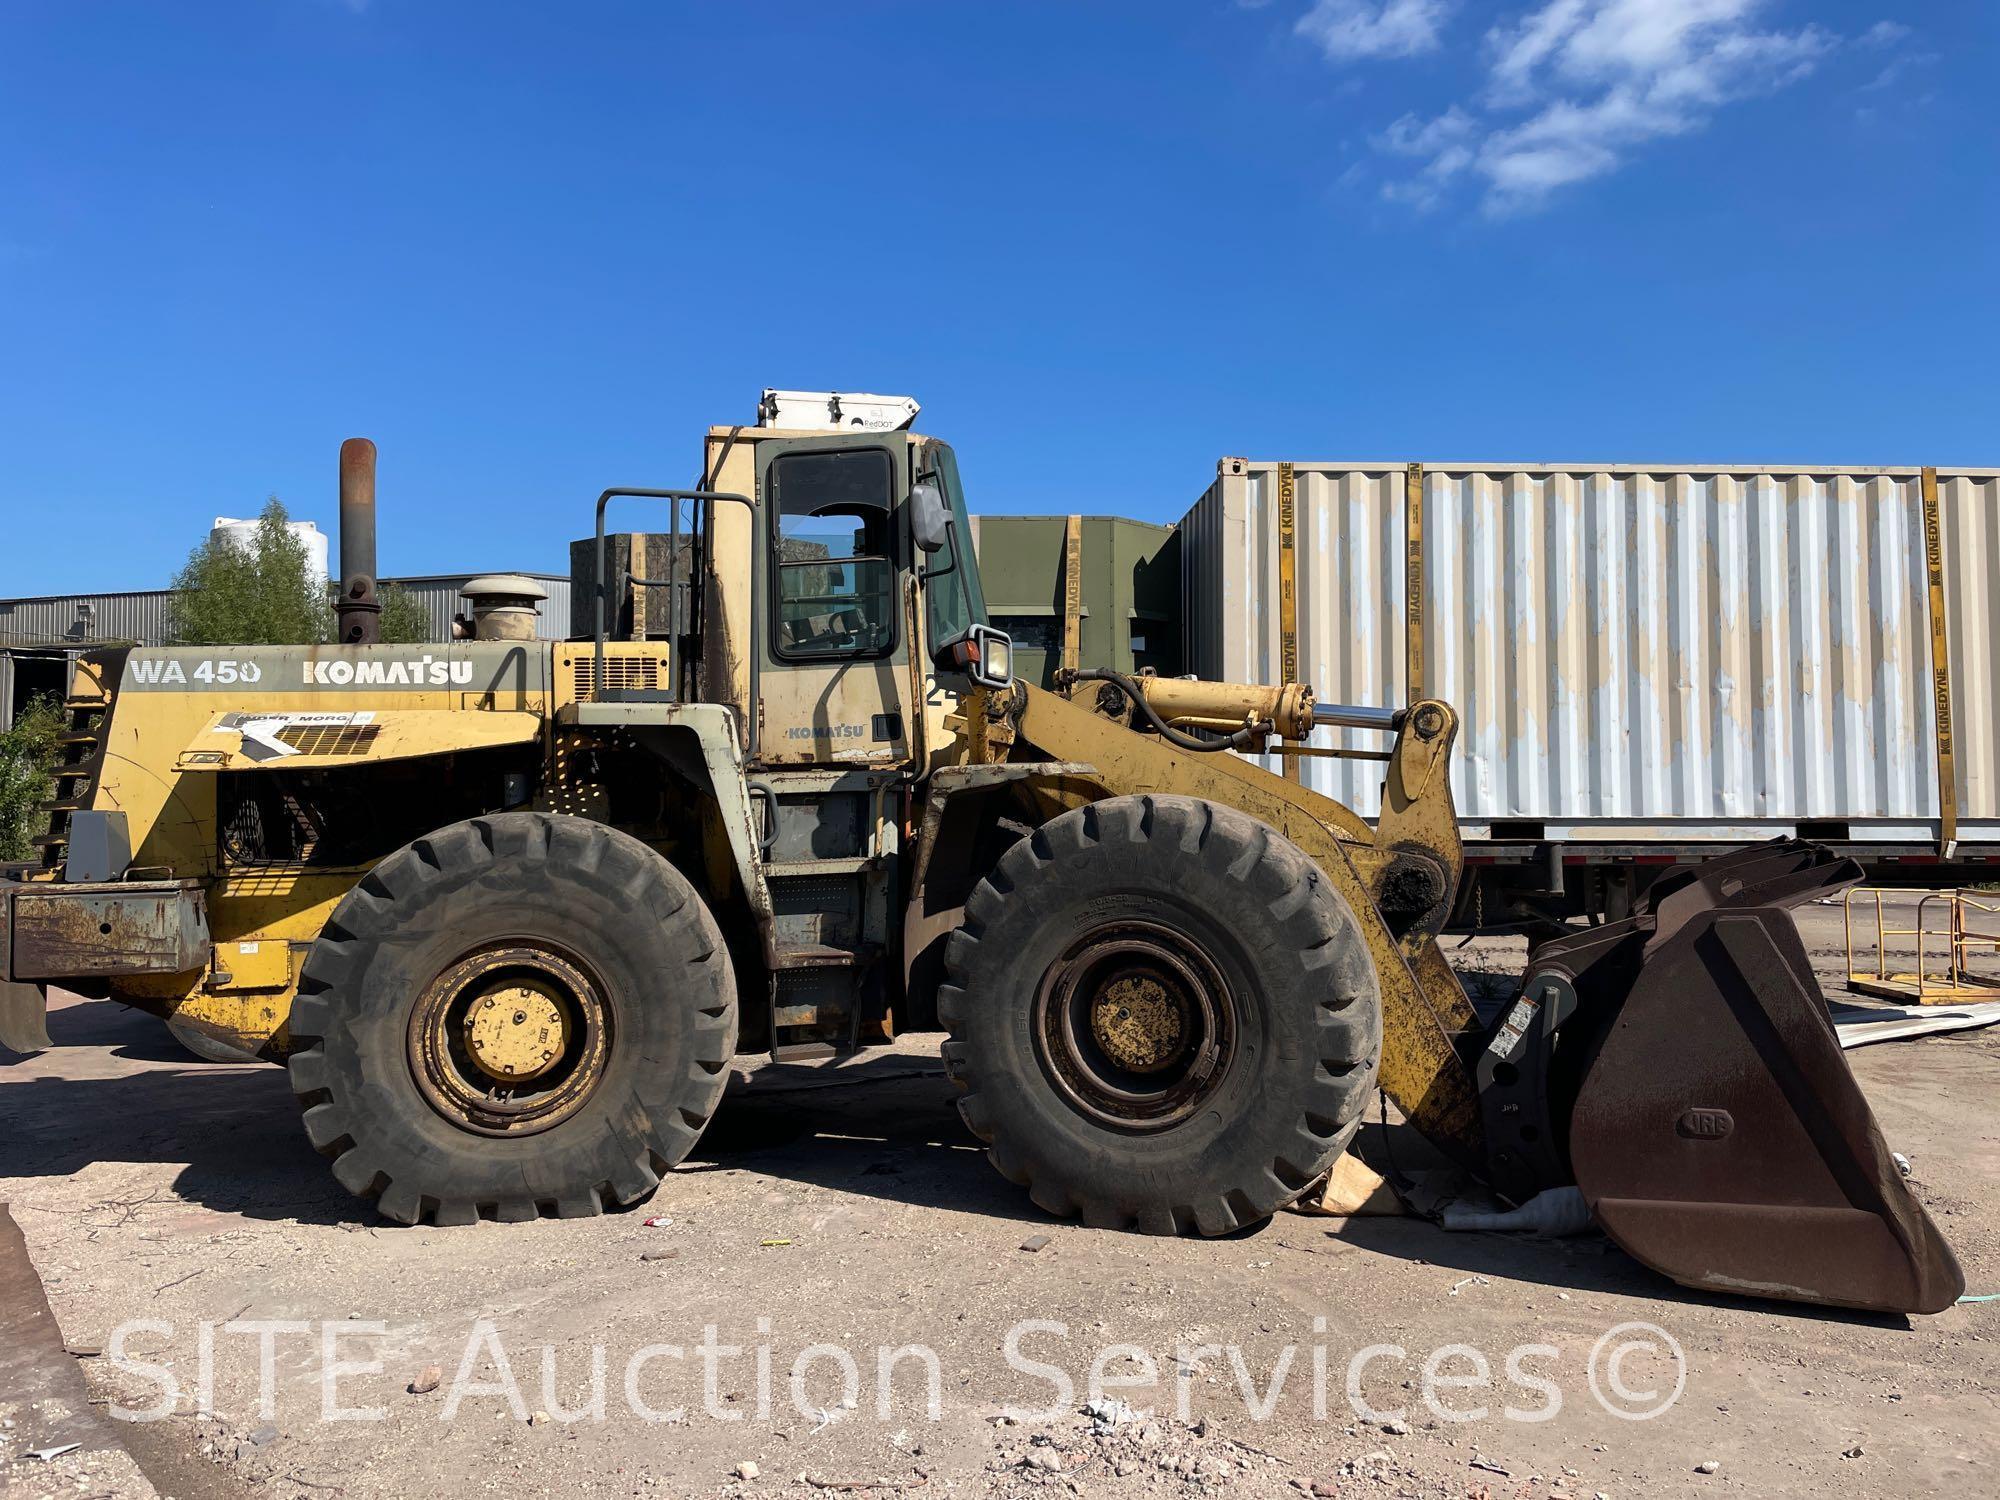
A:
(1636, 654)
(1969, 535)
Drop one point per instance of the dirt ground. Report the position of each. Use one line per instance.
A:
(848, 1208)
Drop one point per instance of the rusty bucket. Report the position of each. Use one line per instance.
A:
(1716, 1132)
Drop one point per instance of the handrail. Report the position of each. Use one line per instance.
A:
(1953, 937)
(673, 597)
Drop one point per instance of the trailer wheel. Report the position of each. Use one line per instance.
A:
(1162, 1017)
(516, 1015)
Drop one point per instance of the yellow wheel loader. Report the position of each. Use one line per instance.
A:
(506, 908)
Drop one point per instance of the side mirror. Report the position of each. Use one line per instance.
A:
(929, 516)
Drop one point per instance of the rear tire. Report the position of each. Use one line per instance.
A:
(516, 1015)
(1162, 1017)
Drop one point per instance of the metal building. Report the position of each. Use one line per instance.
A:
(138, 617)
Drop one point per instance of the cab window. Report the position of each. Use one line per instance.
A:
(954, 600)
(833, 587)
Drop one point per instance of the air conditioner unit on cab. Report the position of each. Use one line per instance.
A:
(842, 411)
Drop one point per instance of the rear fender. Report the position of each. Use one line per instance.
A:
(698, 742)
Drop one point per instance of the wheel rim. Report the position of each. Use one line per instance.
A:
(510, 1040)
(1134, 1025)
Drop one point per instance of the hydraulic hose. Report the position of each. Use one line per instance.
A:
(1242, 739)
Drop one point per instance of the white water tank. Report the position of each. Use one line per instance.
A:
(244, 534)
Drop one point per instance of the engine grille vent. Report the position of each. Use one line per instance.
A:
(331, 739)
(621, 673)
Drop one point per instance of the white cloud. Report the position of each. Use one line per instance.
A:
(1571, 88)
(1447, 144)
(1522, 48)
(1885, 34)
(1411, 136)
(1349, 29)
(1897, 69)
(1629, 72)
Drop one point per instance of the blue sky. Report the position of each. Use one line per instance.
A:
(531, 249)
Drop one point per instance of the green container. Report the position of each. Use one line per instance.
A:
(1131, 572)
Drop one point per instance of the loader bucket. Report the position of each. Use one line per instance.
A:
(1716, 1132)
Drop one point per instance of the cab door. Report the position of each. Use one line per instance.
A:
(834, 654)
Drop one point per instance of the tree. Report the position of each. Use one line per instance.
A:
(265, 594)
(404, 621)
(28, 756)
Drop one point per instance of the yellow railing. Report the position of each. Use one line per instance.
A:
(1939, 936)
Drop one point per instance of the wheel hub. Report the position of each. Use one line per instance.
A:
(510, 1040)
(1139, 1021)
(516, 1032)
(1134, 1025)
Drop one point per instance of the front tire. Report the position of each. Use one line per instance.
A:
(1162, 1017)
(515, 1015)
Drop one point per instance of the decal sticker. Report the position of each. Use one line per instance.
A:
(1519, 1019)
(260, 731)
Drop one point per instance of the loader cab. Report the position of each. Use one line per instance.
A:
(867, 615)
(849, 622)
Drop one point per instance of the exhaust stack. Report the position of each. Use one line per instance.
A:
(358, 612)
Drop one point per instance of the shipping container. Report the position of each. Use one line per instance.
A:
(1646, 659)
(1128, 594)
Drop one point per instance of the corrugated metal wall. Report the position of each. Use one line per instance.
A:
(438, 594)
(1636, 654)
(141, 616)
(56, 620)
